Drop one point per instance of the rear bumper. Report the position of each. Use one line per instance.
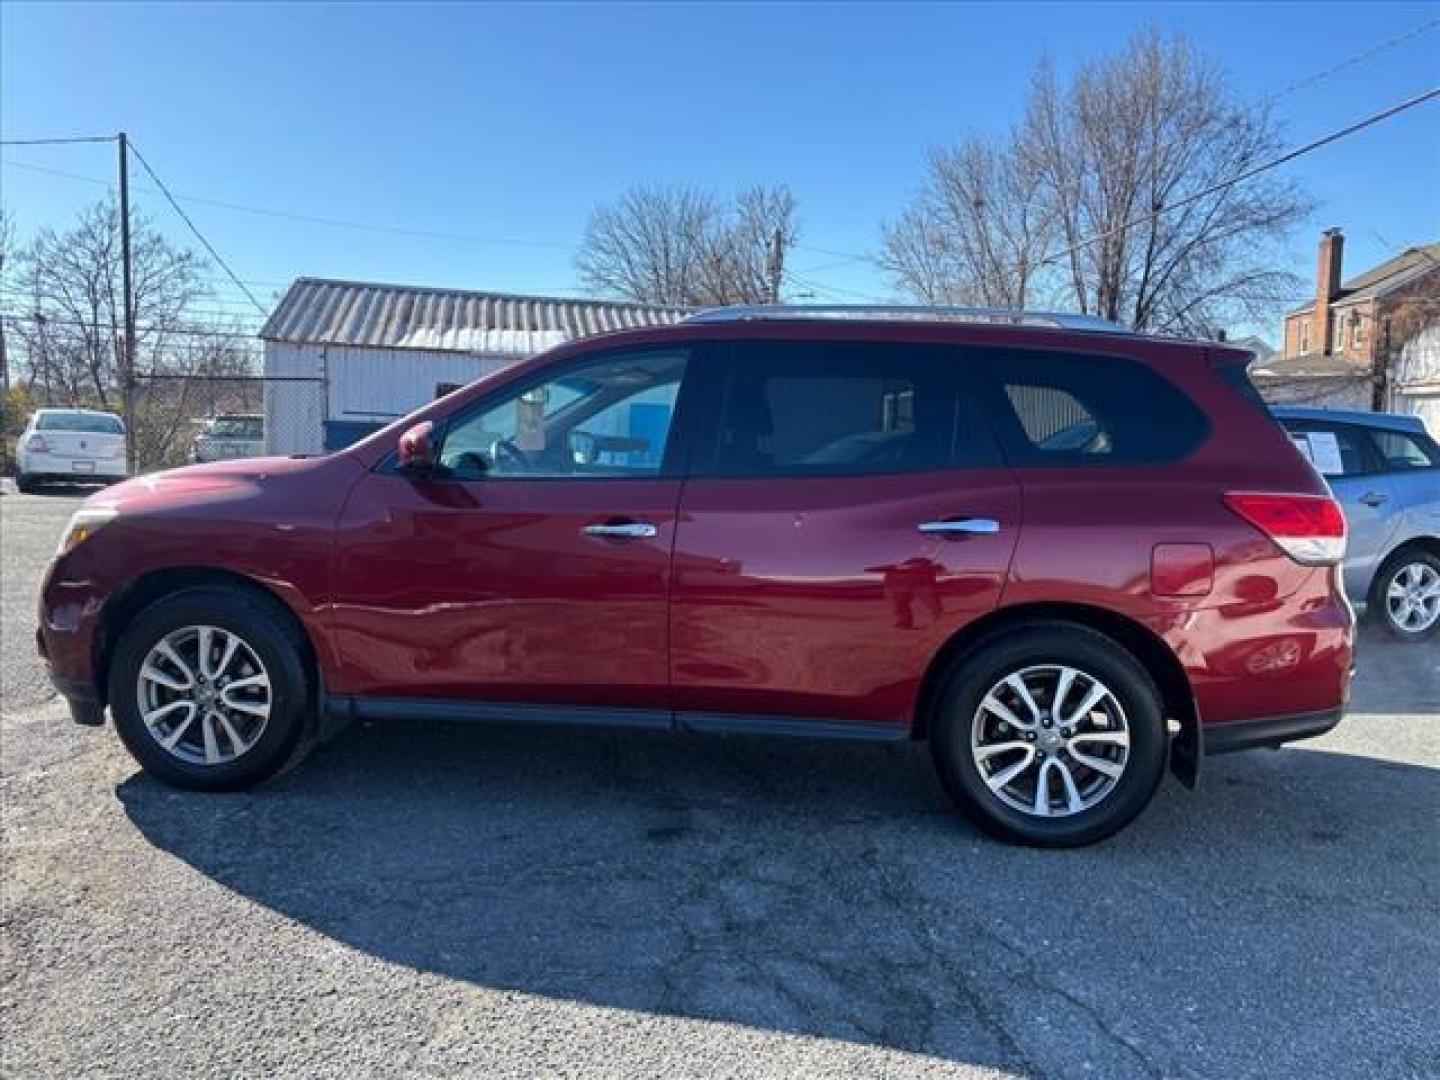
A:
(63, 467)
(1268, 732)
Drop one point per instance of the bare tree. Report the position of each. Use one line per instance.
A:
(1118, 156)
(684, 246)
(73, 320)
(977, 229)
(64, 305)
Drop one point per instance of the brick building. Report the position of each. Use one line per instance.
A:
(1337, 349)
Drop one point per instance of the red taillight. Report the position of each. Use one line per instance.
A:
(1308, 528)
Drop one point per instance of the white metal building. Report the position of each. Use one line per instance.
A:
(343, 358)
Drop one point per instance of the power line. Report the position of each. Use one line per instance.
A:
(198, 235)
(1248, 174)
(58, 142)
(390, 230)
(1311, 80)
(110, 326)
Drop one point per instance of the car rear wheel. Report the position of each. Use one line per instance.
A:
(1406, 594)
(24, 484)
(209, 689)
(1051, 735)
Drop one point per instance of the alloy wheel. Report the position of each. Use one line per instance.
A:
(1412, 597)
(204, 695)
(1050, 740)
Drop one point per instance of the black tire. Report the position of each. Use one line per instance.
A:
(1395, 565)
(1038, 645)
(281, 647)
(24, 484)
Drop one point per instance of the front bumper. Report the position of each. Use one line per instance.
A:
(1268, 732)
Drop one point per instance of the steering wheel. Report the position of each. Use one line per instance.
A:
(505, 452)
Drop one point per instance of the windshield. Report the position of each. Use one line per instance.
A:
(236, 427)
(100, 423)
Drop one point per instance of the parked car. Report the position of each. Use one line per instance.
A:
(1385, 471)
(229, 436)
(70, 446)
(764, 521)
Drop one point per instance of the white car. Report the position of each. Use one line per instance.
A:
(70, 446)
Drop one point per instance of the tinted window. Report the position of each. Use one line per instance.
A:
(1401, 450)
(237, 427)
(1334, 449)
(608, 417)
(1063, 409)
(836, 409)
(99, 423)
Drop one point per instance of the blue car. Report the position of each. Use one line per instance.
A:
(1385, 471)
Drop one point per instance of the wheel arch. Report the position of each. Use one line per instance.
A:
(137, 595)
(1154, 655)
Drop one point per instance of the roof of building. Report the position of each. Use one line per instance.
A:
(1388, 276)
(1310, 366)
(320, 311)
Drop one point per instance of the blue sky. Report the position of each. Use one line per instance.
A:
(509, 123)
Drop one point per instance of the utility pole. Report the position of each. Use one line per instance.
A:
(776, 269)
(127, 362)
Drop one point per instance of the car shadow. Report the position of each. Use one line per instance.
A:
(828, 890)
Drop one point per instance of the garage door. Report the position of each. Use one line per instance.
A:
(1426, 406)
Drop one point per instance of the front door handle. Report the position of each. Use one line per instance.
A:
(961, 526)
(622, 530)
(1374, 498)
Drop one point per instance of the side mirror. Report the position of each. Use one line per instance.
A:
(417, 451)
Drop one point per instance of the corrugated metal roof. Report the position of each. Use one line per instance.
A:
(323, 312)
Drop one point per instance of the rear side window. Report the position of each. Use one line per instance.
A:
(1334, 449)
(820, 408)
(1078, 409)
(1401, 450)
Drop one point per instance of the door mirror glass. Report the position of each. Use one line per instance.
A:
(417, 449)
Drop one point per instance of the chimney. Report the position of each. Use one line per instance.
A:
(1327, 287)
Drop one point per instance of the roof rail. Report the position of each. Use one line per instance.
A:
(909, 313)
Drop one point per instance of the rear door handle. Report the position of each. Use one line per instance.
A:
(961, 526)
(622, 530)
(1374, 498)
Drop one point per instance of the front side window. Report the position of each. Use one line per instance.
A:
(1076, 409)
(1402, 451)
(606, 418)
(827, 409)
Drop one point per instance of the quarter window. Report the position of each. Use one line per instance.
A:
(1075, 409)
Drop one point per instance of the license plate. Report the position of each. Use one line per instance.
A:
(82, 466)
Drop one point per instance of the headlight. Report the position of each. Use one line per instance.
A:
(84, 523)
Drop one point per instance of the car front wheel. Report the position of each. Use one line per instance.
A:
(1050, 735)
(209, 689)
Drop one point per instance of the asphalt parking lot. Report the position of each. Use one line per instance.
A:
(433, 899)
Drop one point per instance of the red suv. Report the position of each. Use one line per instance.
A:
(1061, 553)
